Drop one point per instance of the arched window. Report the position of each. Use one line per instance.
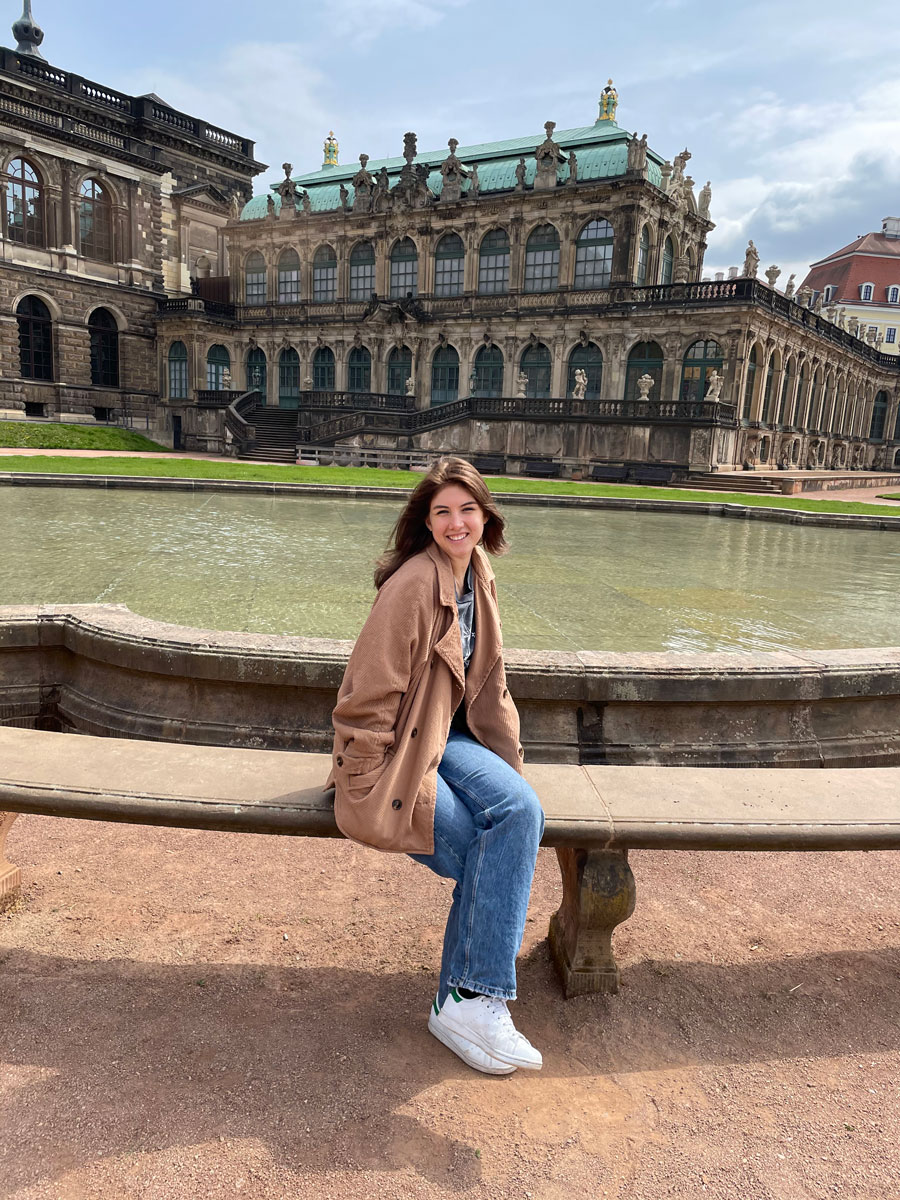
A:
(445, 376)
(218, 361)
(104, 334)
(893, 294)
(667, 266)
(449, 266)
(489, 371)
(866, 291)
(825, 422)
(802, 398)
(95, 221)
(404, 269)
(535, 363)
(325, 274)
(750, 384)
(35, 339)
(493, 263)
(255, 279)
(594, 254)
(643, 257)
(289, 378)
(24, 217)
(785, 392)
(879, 416)
(815, 400)
(359, 370)
(289, 277)
(257, 373)
(542, 260)
(700, 360)
(590, 360)
(362, 271)
(400, 368)
(767, 394)
(178, 371)
(646, 358)
(323, 369)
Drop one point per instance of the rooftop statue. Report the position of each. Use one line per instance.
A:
(363, 186)
(637, 154)
(772, 274)
(573, 167)
(331, 150)
(548, 157)
(704, 199)
(609, 102)
(520, 175)
(453, 173)
(789, 286)
(287, 189)
(751, 261)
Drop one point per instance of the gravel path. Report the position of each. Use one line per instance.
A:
(186, 1014)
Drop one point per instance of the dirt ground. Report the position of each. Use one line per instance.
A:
(188, 1014)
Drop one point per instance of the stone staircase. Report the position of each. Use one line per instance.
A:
(748, 482)
(277, 434)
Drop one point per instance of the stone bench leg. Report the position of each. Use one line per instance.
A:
(598, 895)
(10, 876)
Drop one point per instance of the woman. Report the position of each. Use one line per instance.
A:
(427, 758)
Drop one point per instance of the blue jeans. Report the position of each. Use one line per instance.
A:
(488, 825)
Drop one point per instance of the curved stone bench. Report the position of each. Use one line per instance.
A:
(595, 815)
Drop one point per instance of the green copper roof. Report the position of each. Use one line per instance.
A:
(601, 151)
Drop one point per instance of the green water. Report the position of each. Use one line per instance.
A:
(575, 580)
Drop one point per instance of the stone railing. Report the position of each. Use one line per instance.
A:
(100, 669)
(236, 421)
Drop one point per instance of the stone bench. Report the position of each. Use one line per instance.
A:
(595, 814)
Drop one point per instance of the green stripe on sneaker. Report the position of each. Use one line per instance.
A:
(456, 996)
(434, 1005)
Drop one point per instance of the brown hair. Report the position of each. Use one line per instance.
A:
(411, 535)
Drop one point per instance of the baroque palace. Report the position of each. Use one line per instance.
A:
(535, 299)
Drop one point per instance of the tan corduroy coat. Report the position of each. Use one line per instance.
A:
(404, 681)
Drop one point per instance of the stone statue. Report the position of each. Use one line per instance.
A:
(581, 381)
(715, 381)
(842, 318)
(410, 386)
(666, 173)
(817, 305)
(573, 167)
(681, 161)
(453, 173)
(682, 271)
(380, 201)
(632, 146)
(270, 205)
(704, 200)
(363, 186)
(226, 380)
(520, 175)
(548, 156)
(609, 102)
(474, 184)
(804, 295)
(789, 286)
(772, 274)
(409, 146)
(687, 194)
(287, 189)
(637, 154)
(644, 384)
(236, 208)
(522, 384)
(306, 203)
(751, 261)
(345, 196)
(308, 383)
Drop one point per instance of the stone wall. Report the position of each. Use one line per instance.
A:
(100, 669)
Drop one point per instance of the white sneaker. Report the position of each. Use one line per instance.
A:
(485, 1023)
(471, 1055)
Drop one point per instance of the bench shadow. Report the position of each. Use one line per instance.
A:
(324, 1066)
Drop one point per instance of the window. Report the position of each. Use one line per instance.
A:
(362, 271)
(95, 221)
(449, 266)
(257, 371)
(593, 255)
(893, 294)
(289, 277)
(404, 269)
(891, 333)
(323, 369)
(815, 400)
(802, 397)
(785, 391)
(749, 385)
(700, 360)
(400, 369)
(767, 394)
(668, 262)
(646, 358)
(35, 339)
(325, 274)
(178, 371)
(289, 378)
(104, 334)
(866, 291)
(542, 260)
(879, 416)
(828, 293)
(255, 279)
(24, 217)
(872, 330)
(488, 371)
(535, 363)
(590, 360)
(218, 362)
(643, 257)
(445, 376)
(493, 263)
(359, 370)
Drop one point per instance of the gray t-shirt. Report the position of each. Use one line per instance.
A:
(465, 606)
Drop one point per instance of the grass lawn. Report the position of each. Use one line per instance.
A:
(199, 468)
(73, 437)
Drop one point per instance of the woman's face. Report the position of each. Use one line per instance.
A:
(456, 521)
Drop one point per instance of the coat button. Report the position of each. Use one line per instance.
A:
(396, 804)
(339, 761)
(415, 733)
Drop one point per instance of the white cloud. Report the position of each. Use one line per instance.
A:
(364, 20)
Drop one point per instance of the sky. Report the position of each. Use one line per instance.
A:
(791, 108)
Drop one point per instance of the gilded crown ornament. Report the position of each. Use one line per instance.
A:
(609, 102)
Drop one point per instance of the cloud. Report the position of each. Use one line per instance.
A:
(365, 20)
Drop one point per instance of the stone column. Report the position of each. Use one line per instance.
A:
(426, 264)
(516, 257)
(598, 895)
(623, 247)
(382, 265)
(558, 369)
(471, 243)
(615, 364)
(669, 386)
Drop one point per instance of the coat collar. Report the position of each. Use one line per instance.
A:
(481, 570)
(488, 642)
